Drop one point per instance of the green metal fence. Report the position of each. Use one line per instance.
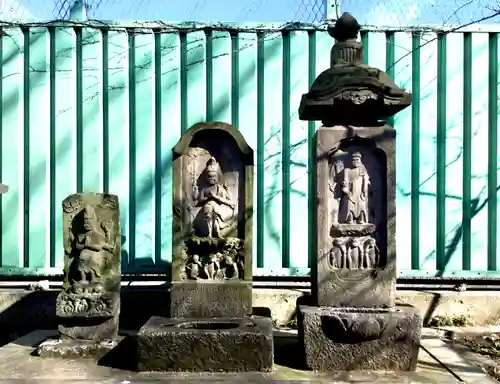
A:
(99, 109)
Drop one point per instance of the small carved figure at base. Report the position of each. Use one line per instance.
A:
(213, 259)
(354, 253)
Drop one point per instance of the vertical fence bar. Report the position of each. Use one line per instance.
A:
(467, 150)
(235, 79)
(26, 145)
(79, 110)
(285, 170)
(441, 156)
(492, 150)
(415, 153)
(52, 147)
(260, 150)
(311, 129)
(389, 62)
(105, 111)
(209, 75)
(365, 41)
(183, 79)
(158, 150)
(132, 147)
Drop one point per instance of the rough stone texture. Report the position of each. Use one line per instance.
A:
(341, 339)
(212, 222)
(70, 349)
(354, 286)
(229, 344)
(18, 364)
(89, 328)
(211, 299)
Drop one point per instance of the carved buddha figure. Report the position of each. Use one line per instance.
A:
(212, 197)
(355, 189)
(88, 240)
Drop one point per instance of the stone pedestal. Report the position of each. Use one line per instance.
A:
(355, 324)
(355, 263)
(88, 308)
(347, 339)
(211, 328)
(211, 344)
(195, 299)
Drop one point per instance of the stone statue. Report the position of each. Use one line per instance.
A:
(211, 198)
(350, 82)
(355, 188)
(88, 239)
(89, 305)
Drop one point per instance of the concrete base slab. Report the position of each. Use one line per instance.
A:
(342, 339)
(211, 344)
(68, 348)
(18, 364)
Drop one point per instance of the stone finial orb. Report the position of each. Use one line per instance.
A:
(345, 28)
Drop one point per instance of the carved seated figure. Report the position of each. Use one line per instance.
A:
(212, 198)
(89, 242)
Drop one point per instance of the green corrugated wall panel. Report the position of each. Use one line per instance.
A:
(87, 109)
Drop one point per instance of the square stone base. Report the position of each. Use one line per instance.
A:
(95, 329)
(67, 348)
(210, 344)
(342, 339)
(199, 299)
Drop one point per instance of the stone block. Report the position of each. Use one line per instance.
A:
(356, 217)
(199, 299)
(213, 344)
(66, 348)
(347, 339)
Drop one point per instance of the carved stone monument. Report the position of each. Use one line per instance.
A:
(212, 327)
(89, 305)
(355, 324)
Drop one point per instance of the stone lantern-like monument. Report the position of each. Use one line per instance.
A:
(353, 323)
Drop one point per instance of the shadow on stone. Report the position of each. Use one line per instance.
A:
(123, 356)
(287, 353)
(261, 311)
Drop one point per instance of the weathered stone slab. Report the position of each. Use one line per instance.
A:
(212, 222)
(346, 339)
(211, 299)
(197, 345)
(71, 349)
(356, 248)
(89, 305)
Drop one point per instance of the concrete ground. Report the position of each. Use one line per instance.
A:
(438, 363)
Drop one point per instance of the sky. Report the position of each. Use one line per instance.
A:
(374, 12)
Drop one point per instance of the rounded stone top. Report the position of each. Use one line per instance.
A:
(345, 28)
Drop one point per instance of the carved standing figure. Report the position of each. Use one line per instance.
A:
(335, 185)
(212, 266)
(211, 198)
(338, 254)
(355, 188)
(88, 240)
(195, 267)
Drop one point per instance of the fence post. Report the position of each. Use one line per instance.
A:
(78, 11)
(332, 11)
